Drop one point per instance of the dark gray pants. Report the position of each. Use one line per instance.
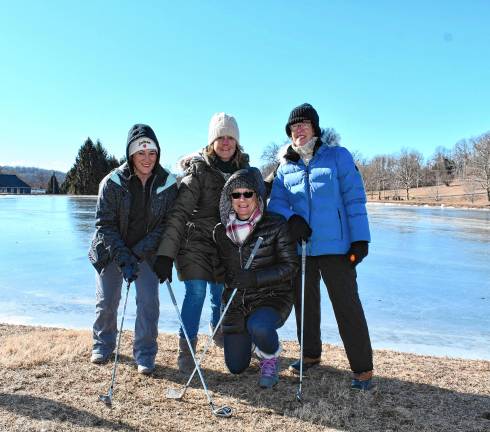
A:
(340, 280)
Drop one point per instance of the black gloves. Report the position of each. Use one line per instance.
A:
(127, 263)
(130, 269)
(163, 268)
(299, 228)
(244, 279)
(357, 252)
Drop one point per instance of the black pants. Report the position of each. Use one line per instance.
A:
(340, 279)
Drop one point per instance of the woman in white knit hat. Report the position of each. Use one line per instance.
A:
(187, 239)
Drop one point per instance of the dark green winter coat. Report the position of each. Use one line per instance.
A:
(188, 236)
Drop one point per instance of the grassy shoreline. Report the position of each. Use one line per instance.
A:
(48, 384)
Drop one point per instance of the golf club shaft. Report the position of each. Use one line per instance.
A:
(111, 388)
(303, 277)
(228, 304)
(174, 301)
(208, 343)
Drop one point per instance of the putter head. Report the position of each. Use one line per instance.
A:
(224, 411)
(107, 399)
(175, 393)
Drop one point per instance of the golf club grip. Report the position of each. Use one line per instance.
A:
(171, 292)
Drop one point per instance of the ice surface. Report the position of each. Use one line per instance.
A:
(425, 285)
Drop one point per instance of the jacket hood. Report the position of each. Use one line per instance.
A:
(249, 178)
(200, 156)
(138, 131)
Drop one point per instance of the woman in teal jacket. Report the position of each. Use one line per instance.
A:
(319, 190)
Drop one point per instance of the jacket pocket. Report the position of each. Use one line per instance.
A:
(98, 254)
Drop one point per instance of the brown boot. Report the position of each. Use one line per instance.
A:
(184, 360)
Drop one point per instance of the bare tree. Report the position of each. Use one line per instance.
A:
(480, 162)
(462, 156)
(408, 169)
(270, 157)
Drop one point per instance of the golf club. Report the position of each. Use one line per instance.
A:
(107, 399)
(179, 393)
(224, 411)
(299, 395)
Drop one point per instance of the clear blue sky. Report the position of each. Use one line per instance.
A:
(384, 74)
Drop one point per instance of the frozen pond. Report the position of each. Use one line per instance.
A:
(425, 285)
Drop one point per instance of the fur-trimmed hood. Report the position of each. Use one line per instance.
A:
(184, 163)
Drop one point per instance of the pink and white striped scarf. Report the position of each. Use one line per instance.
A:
(238, 230)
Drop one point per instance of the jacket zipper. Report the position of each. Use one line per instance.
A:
(340, 222)
(146, 204)
(308, 192)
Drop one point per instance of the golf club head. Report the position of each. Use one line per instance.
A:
(107, 399)
(175, 393)
(224, 411)
(299, 396)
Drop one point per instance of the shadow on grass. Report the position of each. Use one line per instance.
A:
(328, 401)
(38, 408)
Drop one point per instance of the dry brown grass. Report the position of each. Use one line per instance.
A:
(43, 346)
(416, 393)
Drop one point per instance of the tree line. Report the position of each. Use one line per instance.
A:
(468, 161)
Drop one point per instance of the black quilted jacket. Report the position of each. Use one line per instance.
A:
(275, 266)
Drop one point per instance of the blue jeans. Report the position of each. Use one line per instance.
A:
(261, 330)
(195, 293)
(108, 296)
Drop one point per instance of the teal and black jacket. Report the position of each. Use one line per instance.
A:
(110, 240)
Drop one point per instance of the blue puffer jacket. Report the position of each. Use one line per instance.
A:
(328, 193)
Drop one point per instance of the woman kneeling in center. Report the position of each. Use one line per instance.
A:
(265, 293)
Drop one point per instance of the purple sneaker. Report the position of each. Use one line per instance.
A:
(269, 369)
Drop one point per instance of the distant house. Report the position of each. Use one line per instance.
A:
(11, 184)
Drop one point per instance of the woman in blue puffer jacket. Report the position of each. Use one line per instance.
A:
(319, 190)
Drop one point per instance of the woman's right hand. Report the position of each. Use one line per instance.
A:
(163, 268)
(130, 269)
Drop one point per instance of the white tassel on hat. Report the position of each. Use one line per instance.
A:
(222, 124)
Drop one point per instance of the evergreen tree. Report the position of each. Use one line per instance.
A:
(92, 164)
(53, 186)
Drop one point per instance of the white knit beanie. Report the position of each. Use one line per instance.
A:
(222, 124)
(142, 143)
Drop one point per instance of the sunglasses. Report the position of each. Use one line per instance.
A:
(238, 195)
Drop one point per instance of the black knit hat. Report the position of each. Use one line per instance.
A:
(302, 113)
(141, 130)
